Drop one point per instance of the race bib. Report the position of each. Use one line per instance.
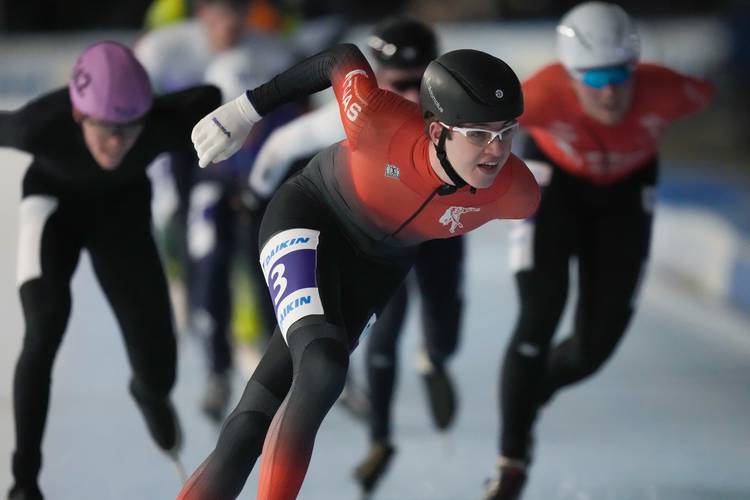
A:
(289, 261)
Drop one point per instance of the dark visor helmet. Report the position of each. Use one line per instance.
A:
(403, 43)
(469, 86)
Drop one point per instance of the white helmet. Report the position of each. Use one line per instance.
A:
(597, 34)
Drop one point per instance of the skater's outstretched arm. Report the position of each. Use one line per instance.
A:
(25, 128)
(221, 133)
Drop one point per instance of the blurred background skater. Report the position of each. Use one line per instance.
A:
(201, 211)
(595, 120)
(175, 56)
(401, 48)
(87, 189)
(223, 232)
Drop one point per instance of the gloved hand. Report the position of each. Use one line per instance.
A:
(222, 132)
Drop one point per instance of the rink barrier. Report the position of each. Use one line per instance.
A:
(702, 233)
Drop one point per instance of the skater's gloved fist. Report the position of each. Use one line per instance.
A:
(219, 134)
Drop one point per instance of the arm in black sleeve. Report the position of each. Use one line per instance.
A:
(183, 110)
(307, 77)
(33, 127)
(10, 135)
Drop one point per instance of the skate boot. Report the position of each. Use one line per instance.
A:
(507, 481)
(373, 467)
(440, 391)
(216, 398)
(26, 492)
(26, 469)
(161, 420)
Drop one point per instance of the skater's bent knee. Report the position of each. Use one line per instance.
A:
(323, 366)
(244, 432)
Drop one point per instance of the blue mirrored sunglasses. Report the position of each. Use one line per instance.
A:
(601, 77)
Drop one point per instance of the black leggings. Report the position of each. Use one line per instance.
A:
(608, 228)
(213, 224)
(438, 270)
(297, 381)
(116, 230)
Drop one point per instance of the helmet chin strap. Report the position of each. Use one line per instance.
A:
(447, 167)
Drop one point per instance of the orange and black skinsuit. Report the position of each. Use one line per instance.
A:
(337, 240)
(598, 190)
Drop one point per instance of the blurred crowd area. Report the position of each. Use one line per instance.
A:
(719, 139)
(48, 15)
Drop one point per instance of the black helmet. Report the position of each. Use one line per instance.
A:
(403, 43)
(469, 86)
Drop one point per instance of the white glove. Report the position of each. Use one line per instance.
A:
(222, 132)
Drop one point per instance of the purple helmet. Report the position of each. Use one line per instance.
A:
(109, 84)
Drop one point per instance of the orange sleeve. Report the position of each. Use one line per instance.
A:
(344, 68)
(677, 95)
(362, 104)
(534, 100)
(356, 91)
(547, 96)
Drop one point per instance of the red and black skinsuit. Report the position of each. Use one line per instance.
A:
(337, 240)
